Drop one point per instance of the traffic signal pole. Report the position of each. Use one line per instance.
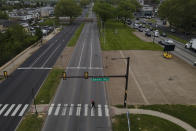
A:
(126, 76)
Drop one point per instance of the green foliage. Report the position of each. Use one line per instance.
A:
(143, 123)
(13, 41)
(179, 13)
(38, 33)
(120, 37)
(104, 10)
(76, 35)
(49, 22)
(31, 122)
(49, 87)
(67, 8)
(84, 3)
(3, 15)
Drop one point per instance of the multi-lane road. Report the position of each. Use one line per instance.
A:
(16, 92)
(71, 108)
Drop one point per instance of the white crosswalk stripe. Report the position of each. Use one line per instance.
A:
(86, 110)
(78, 110)
(57, 109)
(64, 110)
(92, 112)
(99, 110)
(9, 110)
(16, 110)
(106, 110)
(71, 110)
(3, 108)
(50, 109)
(23, 110)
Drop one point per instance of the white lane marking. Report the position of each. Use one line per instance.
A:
(99, 110)
(81, 53)
(86, 110)
(64, 110)
(90, 68)
(50, 109)
(71, 109)
(91, 54)
(57, 109)
(9, 110)
(16, 110)
(34, 68)
(106, 110)
(137, 83)
(2, 109)
(92, 112)
(78, 110)
(42, 54)
(51, 55)
(23, 110)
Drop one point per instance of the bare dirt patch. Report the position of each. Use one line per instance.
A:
(64, 58)
(152, 78)
(142, 36)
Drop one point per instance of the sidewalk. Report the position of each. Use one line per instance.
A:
(14, 63)
(186, 126)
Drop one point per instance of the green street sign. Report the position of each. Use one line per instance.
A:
(100, 79)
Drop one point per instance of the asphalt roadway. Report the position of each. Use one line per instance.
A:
(17, 92)
(71, 108)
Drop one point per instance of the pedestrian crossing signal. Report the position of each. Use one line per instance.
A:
(85, 75)
(64, 75)
(5, 74)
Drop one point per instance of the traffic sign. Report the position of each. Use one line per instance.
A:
(100, 79)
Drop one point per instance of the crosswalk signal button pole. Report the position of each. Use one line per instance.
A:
(85, 75)
(64, 75)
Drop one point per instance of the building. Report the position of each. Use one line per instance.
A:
(46, 11)
(147, 10)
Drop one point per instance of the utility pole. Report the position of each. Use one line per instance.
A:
(126, 84)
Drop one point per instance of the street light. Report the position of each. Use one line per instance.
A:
(34, 101)
(126, 77)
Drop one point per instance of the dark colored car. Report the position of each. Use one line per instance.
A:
(140, 30)
(164, 34)
(148, 33)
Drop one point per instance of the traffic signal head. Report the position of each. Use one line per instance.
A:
(64, 75)
(85, 75)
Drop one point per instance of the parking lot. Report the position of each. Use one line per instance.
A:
(152, 78)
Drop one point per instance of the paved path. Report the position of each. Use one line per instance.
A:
(118, 111)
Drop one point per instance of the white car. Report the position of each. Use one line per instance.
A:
(169, 41)
(156, 33)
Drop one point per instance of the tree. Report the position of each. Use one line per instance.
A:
(104, 10)
(125, 10)
(84, 3)
(67, 8)
(3, 15)
(179, 13)
(38, 33)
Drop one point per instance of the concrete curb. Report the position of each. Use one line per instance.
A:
(186, 126)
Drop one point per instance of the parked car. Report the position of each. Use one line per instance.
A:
(140, 30)
(147, 30)
(163, 34)
(173, 30)
(156, 33)
(148, 33)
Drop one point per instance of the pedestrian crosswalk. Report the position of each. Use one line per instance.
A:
(67, 110)
(78, 110)
(13, 109)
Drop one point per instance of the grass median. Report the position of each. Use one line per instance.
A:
(186, 113)
(120, 37)
(49, 87)
(31, 122)
(143, 123)
(76, 35)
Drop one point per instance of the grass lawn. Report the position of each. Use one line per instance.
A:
(177, 38)
(143, 123)
(76, 35)
(186, 113)
(120, 37)
(49, 87)
(31, 122)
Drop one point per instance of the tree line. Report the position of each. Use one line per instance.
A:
(179, 13)
(14, 40)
